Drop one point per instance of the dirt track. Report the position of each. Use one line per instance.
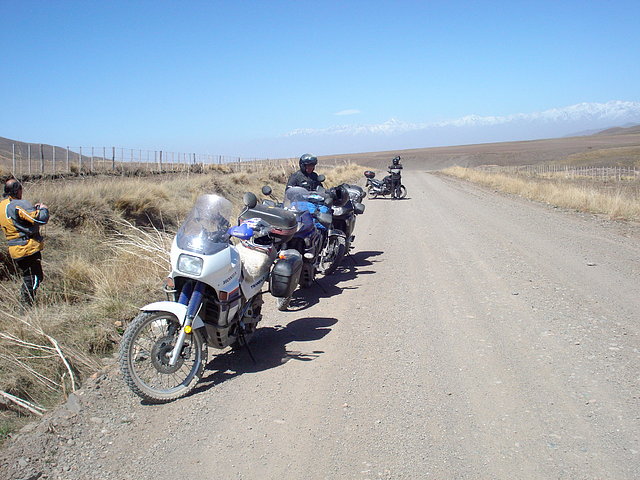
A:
(471, 335)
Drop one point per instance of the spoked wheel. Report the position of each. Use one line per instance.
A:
(400, 192)
(333, 256)
(144, 358)
(283, 303)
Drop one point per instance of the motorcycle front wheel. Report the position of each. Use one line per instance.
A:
(335, 252)
(283, 303)
(144, 358)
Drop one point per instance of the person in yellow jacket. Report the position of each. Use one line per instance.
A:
(20, 222)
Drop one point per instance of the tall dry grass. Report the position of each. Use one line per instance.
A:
(106, 254)
(618, 201)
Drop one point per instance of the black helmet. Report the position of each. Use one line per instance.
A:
(340, 196)
(396, 160)
(308, 159)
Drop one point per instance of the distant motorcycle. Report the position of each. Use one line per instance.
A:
(389, 185)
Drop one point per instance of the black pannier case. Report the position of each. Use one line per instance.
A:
(285, 273)
(283, 222)
(369, 174)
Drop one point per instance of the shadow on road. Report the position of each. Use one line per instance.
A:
(325, 287)
(389, 198)
(268, 348)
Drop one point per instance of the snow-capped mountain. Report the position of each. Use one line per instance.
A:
(470, 129)
(607, 114)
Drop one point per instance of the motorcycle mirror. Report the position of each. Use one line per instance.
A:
(243, 231)
(358, 208)
(321, 178)
(266, 190)
(250, 200)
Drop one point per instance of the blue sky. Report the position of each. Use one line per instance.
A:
(237, 77)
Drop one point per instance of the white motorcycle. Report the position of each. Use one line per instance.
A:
(215, 290)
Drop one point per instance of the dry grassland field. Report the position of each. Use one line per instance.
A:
(487, 326)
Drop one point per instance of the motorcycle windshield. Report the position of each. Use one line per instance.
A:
(300, 199)
(205, 230)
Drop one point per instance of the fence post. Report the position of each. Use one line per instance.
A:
(53, 158)
(68, 171)
(13, 157)
(41, 159)
(80, 162)
(113, 158)
(160, 161)
(29, 156)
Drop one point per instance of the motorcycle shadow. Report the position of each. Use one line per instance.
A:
(268, 348)
(328, 286)
(379, 197)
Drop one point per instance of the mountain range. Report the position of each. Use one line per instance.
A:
(471, 129)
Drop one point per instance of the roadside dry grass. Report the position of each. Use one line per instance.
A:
(106, 254)
(617, 200)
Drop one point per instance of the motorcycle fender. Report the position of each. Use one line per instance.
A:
(178, 309)
(336, 233)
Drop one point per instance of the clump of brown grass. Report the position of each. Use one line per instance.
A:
(619, 204)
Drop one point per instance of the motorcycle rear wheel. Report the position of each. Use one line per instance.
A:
(372, 192)
(144, 358)
(400, 192)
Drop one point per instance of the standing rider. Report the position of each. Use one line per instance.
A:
(394, 177)
(305, 177)
(20, 222)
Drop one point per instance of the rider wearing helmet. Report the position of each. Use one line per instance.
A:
(394, 177)
(305, 177)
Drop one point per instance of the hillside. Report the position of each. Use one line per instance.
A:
(617, 146)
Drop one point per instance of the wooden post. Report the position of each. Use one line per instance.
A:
(160, 161)
(80, 161)
(68, 171)
(13, 157)
(113, 159)
(53, 158)
(29, 156)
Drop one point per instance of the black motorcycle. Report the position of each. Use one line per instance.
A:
(344, 217)
(389, 185)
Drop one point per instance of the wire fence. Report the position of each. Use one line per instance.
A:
(601, 173)
(37, 159)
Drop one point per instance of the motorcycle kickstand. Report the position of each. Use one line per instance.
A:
(243, 342)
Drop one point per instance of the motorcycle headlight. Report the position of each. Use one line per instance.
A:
(190, 264)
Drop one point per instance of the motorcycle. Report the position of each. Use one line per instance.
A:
(313, 219)
(214, 295)
(344, 217)
(387, 186)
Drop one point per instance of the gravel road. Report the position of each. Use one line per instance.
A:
(471, 335)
